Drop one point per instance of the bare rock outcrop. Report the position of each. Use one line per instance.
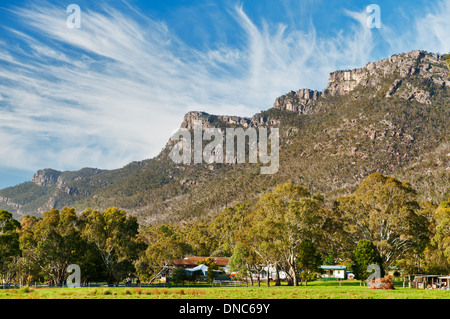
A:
(209, 120)
(302, 101)
(397, 68)
(428, 66)
(46, 177)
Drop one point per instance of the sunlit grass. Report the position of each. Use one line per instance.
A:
(314, 290)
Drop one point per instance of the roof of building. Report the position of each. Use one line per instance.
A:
(333, 267)
(202, 268)
(193, 261)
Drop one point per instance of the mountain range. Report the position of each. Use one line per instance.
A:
(391, 116)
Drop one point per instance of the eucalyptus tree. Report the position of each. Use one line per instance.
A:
(287, 216)
(114, 233)
(437, 253)
(163, 246)
(382, 210)
(9, 246)
(54, 242)
(229, 226)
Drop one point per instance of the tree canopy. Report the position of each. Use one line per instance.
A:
(287, 229)
(384, 211)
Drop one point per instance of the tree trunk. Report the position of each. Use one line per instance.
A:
(293, 275)
(277, 276)
(295, 281)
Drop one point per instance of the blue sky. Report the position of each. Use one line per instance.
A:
(113, 91)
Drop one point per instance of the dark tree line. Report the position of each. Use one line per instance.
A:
(289, 229)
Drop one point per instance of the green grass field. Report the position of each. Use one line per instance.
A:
(314, 290)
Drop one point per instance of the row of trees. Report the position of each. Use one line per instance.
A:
(381, 223)
(104, 245)
(289, 228)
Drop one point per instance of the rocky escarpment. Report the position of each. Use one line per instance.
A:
(302, 101)
(399, 70)
(50, 177)
(9, 203)
(209, 120)
(46, 177)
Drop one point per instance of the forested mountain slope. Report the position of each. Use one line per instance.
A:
(392, 117)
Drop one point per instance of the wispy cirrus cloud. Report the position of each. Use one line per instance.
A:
(114, 90)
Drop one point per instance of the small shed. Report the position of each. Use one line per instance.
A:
(331, 271)
(427, 281)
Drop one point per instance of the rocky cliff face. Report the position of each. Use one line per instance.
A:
(46, 177)
(302, 101)
(209, 120)
(397, 68)
(9, 203)
(50, 177)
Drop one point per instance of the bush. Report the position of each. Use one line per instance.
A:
(179, 275)
(107, 292)
(26, 290)
(385, 283)
(364, 255)
(127, 292)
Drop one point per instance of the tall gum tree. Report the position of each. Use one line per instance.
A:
(114, 234)
(9, 245)
(288, 216)
(384, 211)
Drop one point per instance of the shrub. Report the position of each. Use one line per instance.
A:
(26, 290)
(107, 292)
(137, 291)
(181, 292)
(92, 292)
(179, 276)
(385, 283)
(364, 255)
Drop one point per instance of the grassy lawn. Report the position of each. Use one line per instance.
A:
(314, 290)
